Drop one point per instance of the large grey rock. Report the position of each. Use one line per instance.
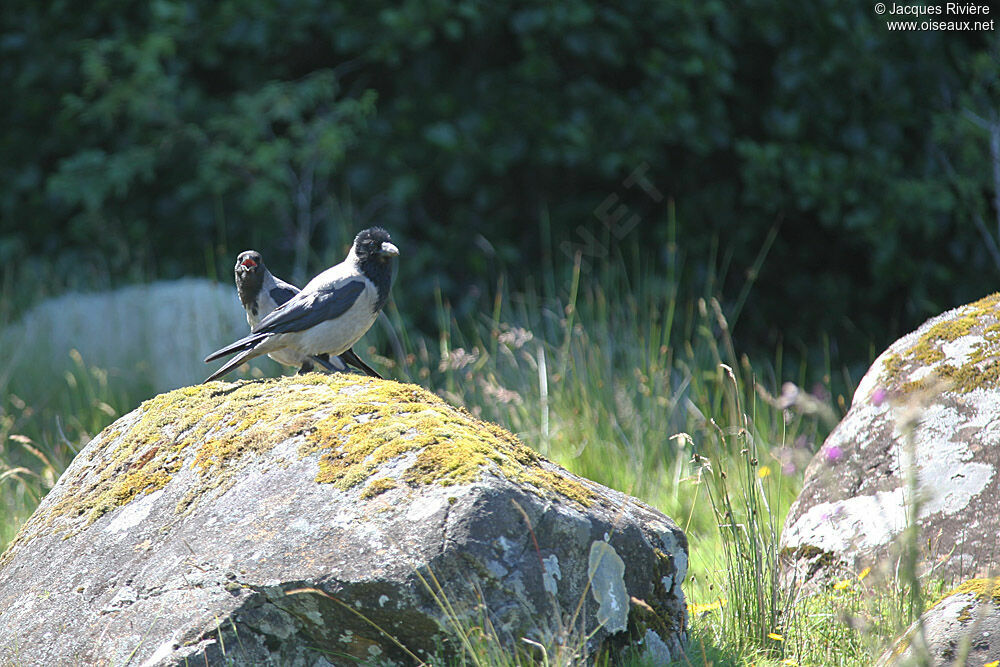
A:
(306, 520)
(962, 629)
(927, 413)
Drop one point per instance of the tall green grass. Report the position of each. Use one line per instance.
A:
(624, 374)
(44, 422)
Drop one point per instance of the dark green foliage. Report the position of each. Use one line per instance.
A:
(162, 138)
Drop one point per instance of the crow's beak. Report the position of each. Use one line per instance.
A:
(388, 250)
(249, 264)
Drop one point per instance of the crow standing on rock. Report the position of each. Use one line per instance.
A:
(331, 313)
(260, 293)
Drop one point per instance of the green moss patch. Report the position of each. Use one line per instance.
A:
(446, 445)
(352, 424)
(982, 589)
(204, 426)
(378, 487)
(980, 370)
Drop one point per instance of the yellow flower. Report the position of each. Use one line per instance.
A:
(865, 572)
(842, 584)
(789, 662)
(697, 609)
(995, 663)
(775, 636)
(763, 471)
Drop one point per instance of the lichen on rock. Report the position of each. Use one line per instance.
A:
(974, 327)
(981, 589)
(449, 446)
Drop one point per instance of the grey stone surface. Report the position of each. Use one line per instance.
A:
(926, 413)
(323, 519)
(963, 629)
(156, 333)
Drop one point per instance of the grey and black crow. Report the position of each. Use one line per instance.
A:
(331, 313)
(260, 293)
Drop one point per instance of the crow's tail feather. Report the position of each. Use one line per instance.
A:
(233, 363)
(241, 345)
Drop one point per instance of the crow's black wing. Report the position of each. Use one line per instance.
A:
(306, 310)
(282, 293)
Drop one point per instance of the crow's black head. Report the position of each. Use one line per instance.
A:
(373, 250)
(374, 243)
(249, 275)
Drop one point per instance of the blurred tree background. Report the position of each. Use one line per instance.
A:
(158, 139)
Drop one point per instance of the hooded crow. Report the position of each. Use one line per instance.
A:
(261, 292)
(331, 313)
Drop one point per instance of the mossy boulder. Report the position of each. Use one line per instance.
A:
(962, 628)
(326, 519)
(920, 445)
